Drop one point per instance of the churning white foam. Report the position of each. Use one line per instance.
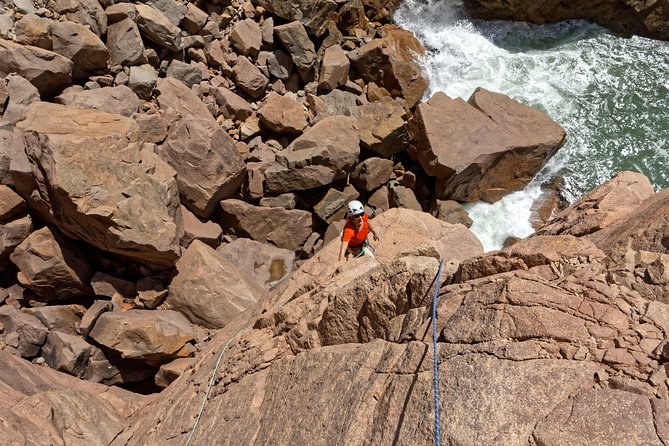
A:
(609, 93)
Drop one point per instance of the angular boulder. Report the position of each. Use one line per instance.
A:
(156, 27)
(391, 63)
(287, 229)
(80, 45)
(598, 209)
(265, 263)
(124, 43)
(51, 267)
(282, 114)
(97, 184)
(322, 154)
(646, 228)
(208, 164)
(313, 14)
(484, 148)
(383, 127)
(48, 71)
(119, 100)
(149, 335)
(223, 290)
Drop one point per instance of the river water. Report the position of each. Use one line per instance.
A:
(610, 93)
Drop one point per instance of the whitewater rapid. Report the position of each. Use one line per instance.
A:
(611, 94)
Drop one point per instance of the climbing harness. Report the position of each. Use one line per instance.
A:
(362, 249)
(435, 371)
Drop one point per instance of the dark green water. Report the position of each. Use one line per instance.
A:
(610, 93)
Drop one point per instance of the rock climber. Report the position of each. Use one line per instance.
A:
(354, 236)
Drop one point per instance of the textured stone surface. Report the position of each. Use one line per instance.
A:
(100, 185)
(223, 290)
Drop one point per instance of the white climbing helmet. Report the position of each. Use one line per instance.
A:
(355, 208)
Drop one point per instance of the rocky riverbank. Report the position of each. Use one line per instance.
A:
(173, 178)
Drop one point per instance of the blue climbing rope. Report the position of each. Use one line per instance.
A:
(435, 380)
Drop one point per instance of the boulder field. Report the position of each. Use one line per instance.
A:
(173, 181)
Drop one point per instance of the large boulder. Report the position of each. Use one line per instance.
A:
(156, 27)
(153, 336)
(283, 228)
(89, 13)
(124, 43)
(265, 263)
(282, 114)
(209, 289)
(383, 127)
(391, 63)
(97, 183)
(44, 407)
(117, 100)
(80, 45)
(294, 38)
(323, 153)
(484, 148)
(646, 228)
(208, 164)
(48, 71)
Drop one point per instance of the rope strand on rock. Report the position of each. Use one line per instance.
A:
(211, 383)
(435, 380)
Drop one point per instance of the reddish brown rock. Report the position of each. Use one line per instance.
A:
(117, 100)
(80, 45)
(600, 208)
(266, 264)
(372, 173)
(391, 63)
(51, 267)
(224, 291)
(289, 229)
(208, 164)
(108, 190)
(334, 69)
(48, 71)
(646, 228)
(484, 148)
(323, 153)
(152, 336)
(383, 127)
(282, 114)
(627, 16)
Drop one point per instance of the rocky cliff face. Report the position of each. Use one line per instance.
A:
(173, 178)
(650, 19)
(555, 340)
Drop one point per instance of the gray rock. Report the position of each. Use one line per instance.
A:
(142, 80)
(155, 26)
(22, 331)
(294, 38)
